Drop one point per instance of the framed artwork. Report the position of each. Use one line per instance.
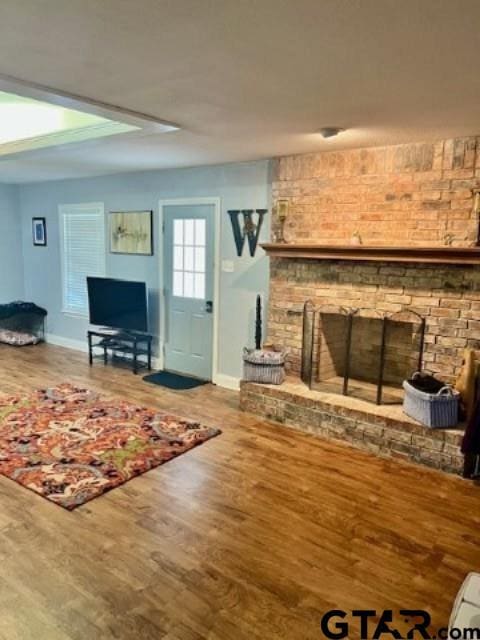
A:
(131, 232)
(39, 232)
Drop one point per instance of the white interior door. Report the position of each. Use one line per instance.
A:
(188, 277)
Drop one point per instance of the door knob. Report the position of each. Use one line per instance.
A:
(209, 306)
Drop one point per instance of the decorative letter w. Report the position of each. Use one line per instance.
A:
(250, 230)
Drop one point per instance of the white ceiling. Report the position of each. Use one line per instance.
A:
(245, 79)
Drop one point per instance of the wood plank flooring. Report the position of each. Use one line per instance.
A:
(253, 535)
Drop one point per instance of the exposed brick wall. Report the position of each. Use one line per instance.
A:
(418, 194)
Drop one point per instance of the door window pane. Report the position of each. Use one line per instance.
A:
(189, 258)
(200, 259)
(178, 232)
(200, 233)
(178, 258)
(189, 232)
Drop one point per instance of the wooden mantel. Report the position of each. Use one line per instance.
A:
(430, 255)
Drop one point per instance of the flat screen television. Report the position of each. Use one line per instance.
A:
(119, 304)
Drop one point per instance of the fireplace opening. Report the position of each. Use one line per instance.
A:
(362, 354)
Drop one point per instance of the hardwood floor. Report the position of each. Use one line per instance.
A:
(253, 535)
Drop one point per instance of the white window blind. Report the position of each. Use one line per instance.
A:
(82, 236)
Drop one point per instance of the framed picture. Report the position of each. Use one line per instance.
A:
(39, 232)
(131, 232)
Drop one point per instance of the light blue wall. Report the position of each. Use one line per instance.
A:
(245, 185)
(11, 259)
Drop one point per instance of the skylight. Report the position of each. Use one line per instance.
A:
(26, 123)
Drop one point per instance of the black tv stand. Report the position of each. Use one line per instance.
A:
(128, 346)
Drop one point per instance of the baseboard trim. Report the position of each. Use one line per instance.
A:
(228, 382)
(221, 379)
(68, 343)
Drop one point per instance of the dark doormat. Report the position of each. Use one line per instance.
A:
(174, 380)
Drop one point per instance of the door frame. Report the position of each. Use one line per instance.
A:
(181, 202)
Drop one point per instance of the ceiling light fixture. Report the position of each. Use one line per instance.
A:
(330, 132)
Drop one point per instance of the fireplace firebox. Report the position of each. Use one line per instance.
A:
(358, 353)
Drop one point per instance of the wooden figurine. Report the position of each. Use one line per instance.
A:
(466, 383)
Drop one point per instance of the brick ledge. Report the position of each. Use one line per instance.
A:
(385, 430)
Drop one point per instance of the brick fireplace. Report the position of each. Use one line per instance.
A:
(418, 195)
(368, 355)
(448, 297)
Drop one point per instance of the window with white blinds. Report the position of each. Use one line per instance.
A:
(82, 237)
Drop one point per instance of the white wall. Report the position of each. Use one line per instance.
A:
(239, 186)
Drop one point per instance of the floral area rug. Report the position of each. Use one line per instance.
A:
(70, 445)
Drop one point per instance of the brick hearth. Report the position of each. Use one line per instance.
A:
(383, 430)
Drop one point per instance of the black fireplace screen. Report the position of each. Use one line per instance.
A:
(347, 351)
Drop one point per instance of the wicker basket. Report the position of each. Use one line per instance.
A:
(263, 366)
(434, 410)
